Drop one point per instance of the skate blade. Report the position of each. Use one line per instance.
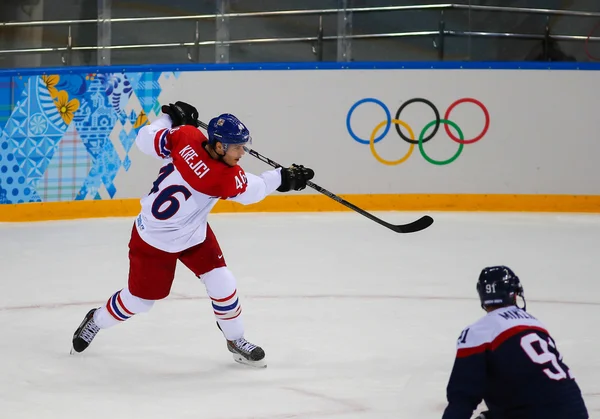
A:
(256, 364)
(74, 352)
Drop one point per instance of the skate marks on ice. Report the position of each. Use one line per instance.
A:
(174, 297)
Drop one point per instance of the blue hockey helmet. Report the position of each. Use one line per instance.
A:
(227, 129)
(499, 286)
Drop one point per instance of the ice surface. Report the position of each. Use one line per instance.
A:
(357, 321)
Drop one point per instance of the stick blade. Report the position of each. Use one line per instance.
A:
(418, 225)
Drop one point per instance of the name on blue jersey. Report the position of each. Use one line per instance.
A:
(516, 314)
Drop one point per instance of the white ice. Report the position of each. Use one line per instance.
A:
(357, 321)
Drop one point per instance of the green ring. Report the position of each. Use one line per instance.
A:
(451, 159)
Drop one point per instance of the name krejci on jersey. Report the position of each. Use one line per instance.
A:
(199, 168)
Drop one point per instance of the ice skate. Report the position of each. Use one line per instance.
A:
(85, 333)
(247, 353)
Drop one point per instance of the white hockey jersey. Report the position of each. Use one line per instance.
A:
(189, 184)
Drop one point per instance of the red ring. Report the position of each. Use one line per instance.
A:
(485, 128)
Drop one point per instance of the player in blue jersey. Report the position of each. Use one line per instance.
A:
(509, 360)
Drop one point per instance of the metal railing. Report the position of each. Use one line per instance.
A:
(317, 41)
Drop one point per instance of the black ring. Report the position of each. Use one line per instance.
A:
(437, 120)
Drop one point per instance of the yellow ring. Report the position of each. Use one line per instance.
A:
(390, 162)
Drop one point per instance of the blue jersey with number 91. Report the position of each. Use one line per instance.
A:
(509, 360)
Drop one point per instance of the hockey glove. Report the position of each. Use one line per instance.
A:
(295, 178)
(181, 113)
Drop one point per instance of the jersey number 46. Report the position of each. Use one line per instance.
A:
(167, 195)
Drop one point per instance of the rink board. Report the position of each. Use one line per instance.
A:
(318, 203)
(386, 136)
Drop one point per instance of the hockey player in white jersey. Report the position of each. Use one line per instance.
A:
(509, 360)
(172, 224)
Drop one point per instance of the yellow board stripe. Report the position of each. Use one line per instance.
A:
(311, 203)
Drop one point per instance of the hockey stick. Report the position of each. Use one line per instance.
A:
(417, 225)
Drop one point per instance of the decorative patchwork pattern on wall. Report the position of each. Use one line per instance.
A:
(67, 137)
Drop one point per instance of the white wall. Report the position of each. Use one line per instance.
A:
(542, 136)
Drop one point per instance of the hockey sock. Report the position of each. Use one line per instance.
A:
(221, 288)
(120, 307)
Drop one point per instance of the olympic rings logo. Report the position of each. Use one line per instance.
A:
(446, 121)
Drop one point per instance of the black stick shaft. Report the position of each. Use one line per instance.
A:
(418, 225)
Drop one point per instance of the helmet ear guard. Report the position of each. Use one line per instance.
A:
(498, 286)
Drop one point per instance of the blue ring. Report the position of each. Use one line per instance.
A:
(387, 114)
